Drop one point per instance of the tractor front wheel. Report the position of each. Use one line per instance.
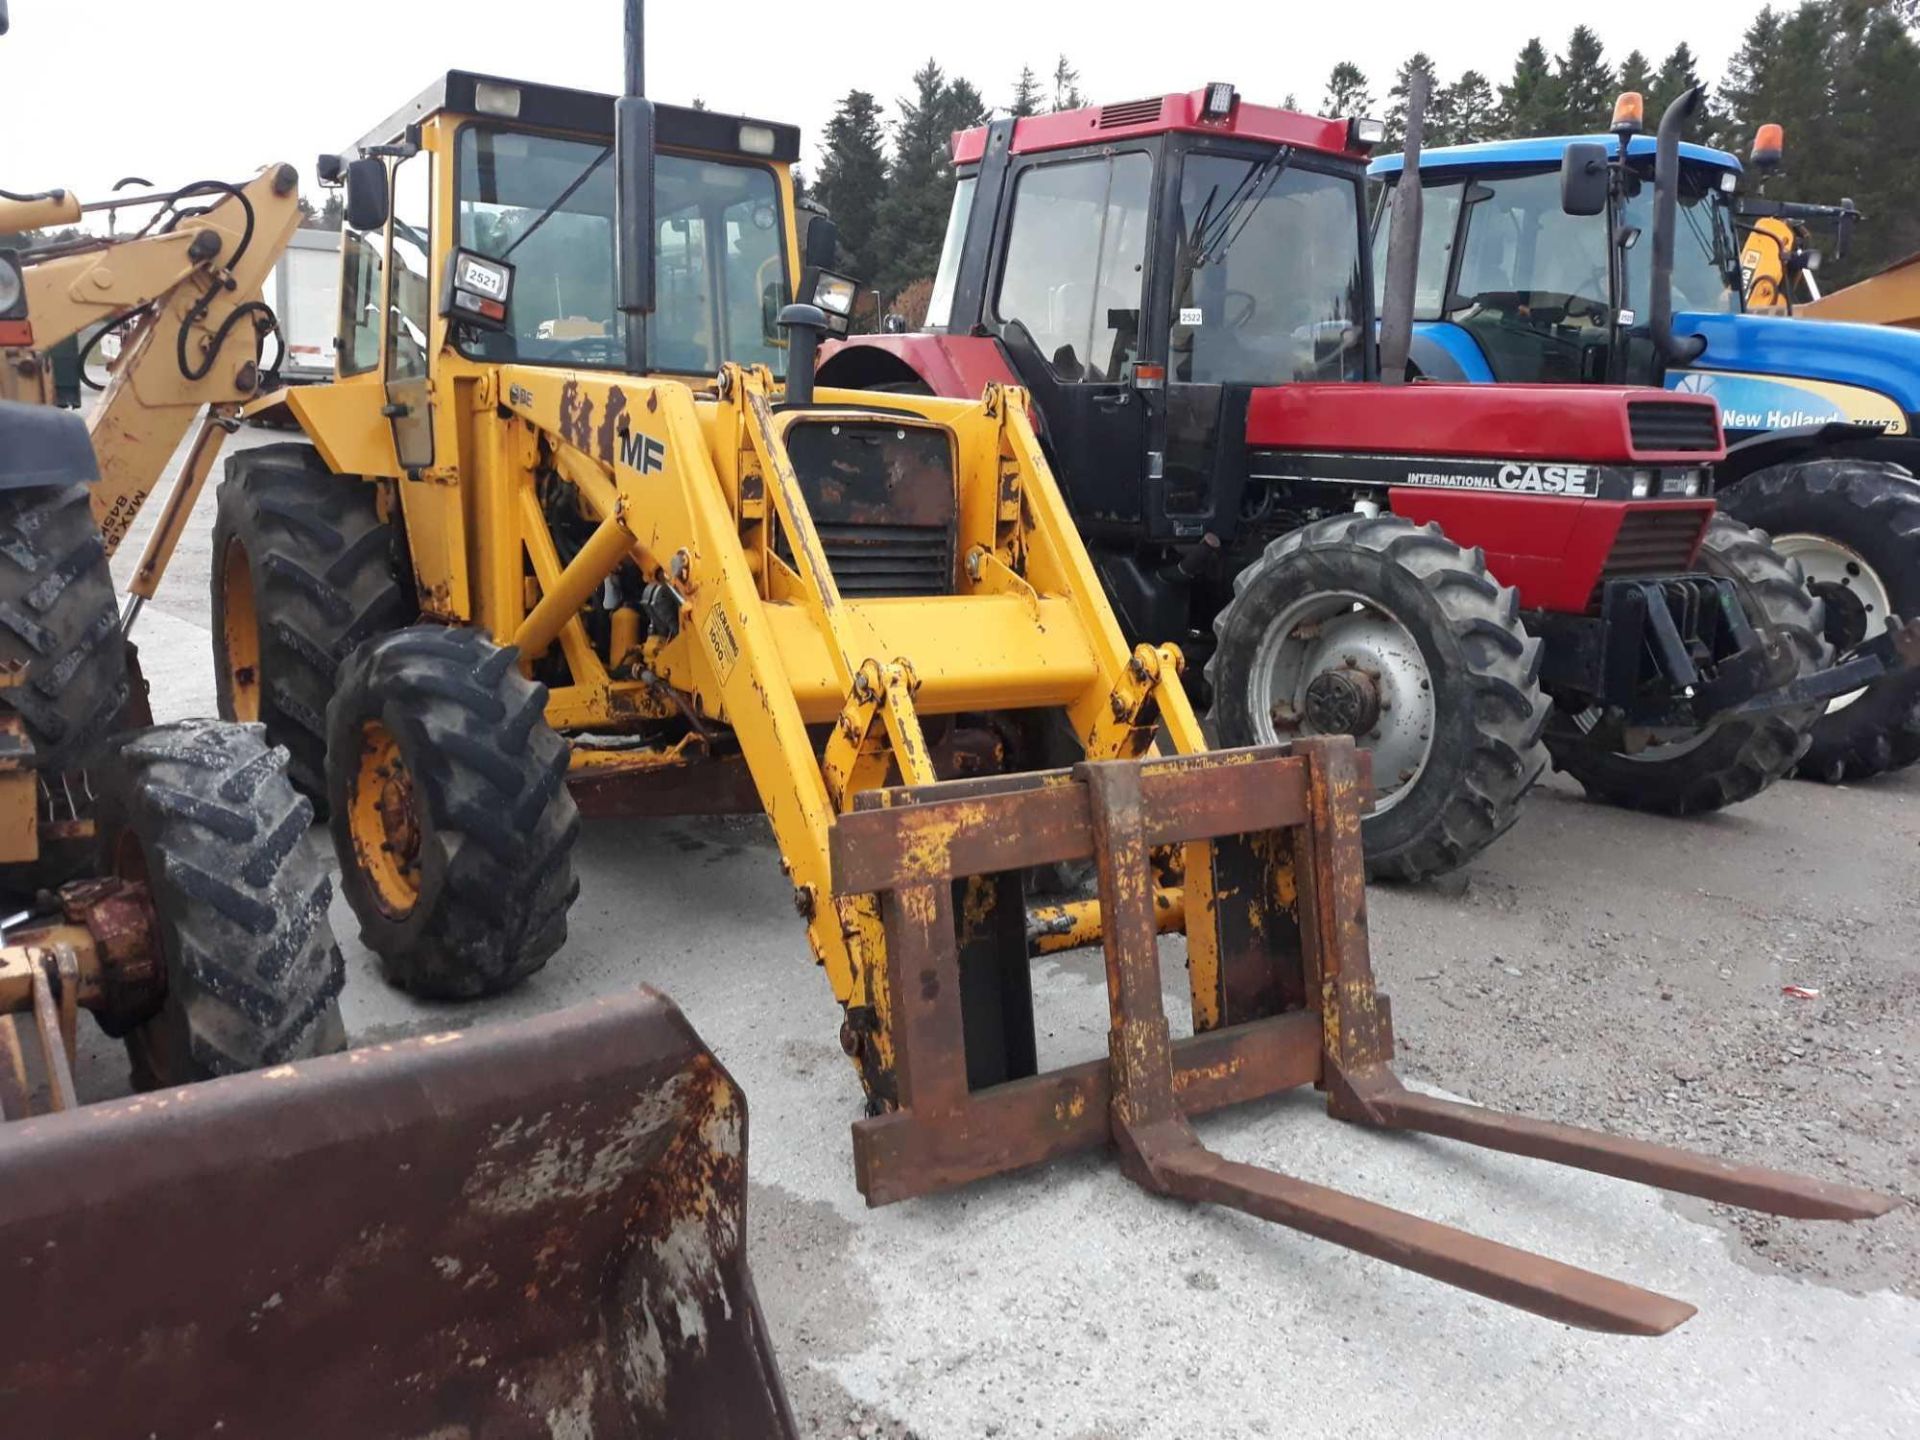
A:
(1733, 757)
(1854, 528)
(450, 811)
(1389, 632)
(303, 570)
(203, 814)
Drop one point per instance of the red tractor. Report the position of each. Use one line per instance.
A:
(1468, 579)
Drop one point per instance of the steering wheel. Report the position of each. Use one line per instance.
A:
(1237, 322)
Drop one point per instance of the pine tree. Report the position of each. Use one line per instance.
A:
(1586, 83)
(1636, 74)
(1292, 102)
(1347, 92)
(1530, 103)
(912, 219)
(1747, 90)
(1469, 109)
(1026, 94)
(1679, 73)
(1419, 63)
(853, 180)
(1066, 86)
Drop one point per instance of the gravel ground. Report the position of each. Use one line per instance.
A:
(1596, 966)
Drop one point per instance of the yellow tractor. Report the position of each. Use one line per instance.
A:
(573, 531)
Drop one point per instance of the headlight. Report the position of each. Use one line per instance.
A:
(12, 287)
(756, 140)
(1364, 133)
(835, 294)
(1642, 484)
(1681, 482)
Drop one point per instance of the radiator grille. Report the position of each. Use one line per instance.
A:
(1667, 425)
(1654, 542)
(869, 560)
(1128, 112)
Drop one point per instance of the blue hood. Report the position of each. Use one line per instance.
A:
(1878, 357)
(1544, 150)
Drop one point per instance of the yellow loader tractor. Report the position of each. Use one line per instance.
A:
(574, 532)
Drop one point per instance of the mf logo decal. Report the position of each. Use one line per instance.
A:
(726, 650)
(643, 453)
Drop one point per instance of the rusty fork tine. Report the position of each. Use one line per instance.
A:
(1180, 1165)
(1753, 1186)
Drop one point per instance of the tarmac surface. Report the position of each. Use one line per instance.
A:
(1595, 966)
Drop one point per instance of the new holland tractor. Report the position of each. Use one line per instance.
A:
(1616, 259)
(1464, 580)
(574, 531)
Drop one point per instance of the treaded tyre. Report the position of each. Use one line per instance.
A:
(1735, 757)
(303, 571)
(59, 617)
(1388, 631)
(450, 811)
(1854, 528)
(204, 813)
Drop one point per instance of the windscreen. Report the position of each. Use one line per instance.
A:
(545, 204)
(1267, 275)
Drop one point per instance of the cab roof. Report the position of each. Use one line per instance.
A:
(1136, 119)
(581, 112)
(1542, 150)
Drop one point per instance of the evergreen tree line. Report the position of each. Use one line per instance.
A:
(1843, 77)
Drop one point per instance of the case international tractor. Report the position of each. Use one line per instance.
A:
(574, 531)
(1618, 259)
(1464, 580)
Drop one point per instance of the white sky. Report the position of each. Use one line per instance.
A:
(117, 87)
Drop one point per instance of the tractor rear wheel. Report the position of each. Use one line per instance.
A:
(1854, 528)
(450, 811)
(1387, 631)
(303, 570)
(202, 812)
(1734, 757)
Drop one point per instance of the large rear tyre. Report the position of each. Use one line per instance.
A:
(303, 571)
(1389, 632)
(450, 812)
(203, 813)
(1734, 757)
(1854, 527)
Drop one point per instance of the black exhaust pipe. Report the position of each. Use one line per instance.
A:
(1675, 350)
(633, 148)
(1403, 244)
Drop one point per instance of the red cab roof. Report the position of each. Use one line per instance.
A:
(1134, 118)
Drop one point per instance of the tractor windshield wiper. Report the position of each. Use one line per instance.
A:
(1215, 232)
(558, 200)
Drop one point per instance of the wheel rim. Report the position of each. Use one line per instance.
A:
(240, 632)
(1339, 663)
(385, 822)
(1856, 598)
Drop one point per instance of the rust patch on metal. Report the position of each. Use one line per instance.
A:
(576, 417)
(607, 438)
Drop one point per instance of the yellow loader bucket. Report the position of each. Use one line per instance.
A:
(531, 1229)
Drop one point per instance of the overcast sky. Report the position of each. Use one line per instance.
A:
(118, 87)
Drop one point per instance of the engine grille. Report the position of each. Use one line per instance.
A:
(1128, 112)
(1654, 542)
(889, 559)
(1668, 425)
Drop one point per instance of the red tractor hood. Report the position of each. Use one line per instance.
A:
(1595, 424)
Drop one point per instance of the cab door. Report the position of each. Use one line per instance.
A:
(409, 313)
(1068, 303)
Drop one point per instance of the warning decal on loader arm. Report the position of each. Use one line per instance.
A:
(720, 642)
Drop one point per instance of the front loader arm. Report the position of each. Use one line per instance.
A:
(189, 298)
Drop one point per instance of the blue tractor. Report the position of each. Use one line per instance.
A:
(1615, 259)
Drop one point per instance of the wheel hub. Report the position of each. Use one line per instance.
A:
(1857, 598)
(386, 822)
(1847, 617)
(1343, 702)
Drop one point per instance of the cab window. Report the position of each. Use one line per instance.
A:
(410, 303)
(362, 294)
(1439, 221)
(1076, 252)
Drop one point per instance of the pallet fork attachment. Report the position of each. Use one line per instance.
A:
(1283, 996)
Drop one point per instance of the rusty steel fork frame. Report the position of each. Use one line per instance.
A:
(1317, 1019)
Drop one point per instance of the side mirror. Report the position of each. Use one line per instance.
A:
(1583, 178)
(367, 194)
(3, 17)
(821, 245)
(330, 170)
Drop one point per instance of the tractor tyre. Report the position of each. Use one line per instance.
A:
(204, 814)
(450, 811)
(304, 569)
(1854, 528)
(1388, 631)
(1734, 757)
